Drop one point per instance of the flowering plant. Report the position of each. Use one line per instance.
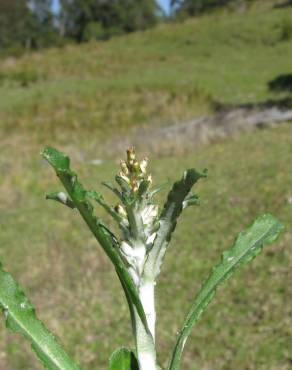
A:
(137, 255)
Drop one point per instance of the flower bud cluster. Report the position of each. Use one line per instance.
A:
(140, 213)
(134, 172)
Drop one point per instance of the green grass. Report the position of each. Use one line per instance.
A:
(77, 294)
(170, 73)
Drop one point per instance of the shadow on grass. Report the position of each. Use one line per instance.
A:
(285, 4)
(281, 83)
(284, 103)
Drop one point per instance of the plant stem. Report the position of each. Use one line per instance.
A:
(146, 294)
(145, 341)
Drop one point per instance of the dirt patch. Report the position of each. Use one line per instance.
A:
(183, 136)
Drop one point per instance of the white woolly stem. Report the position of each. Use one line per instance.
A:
(135, 250)
(145, 342)
(146, 293)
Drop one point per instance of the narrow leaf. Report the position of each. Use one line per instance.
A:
(123, 184)
(168, 218)
(61, 164)
(159, 188)
(100, 200)
(191, 200)
(123, 359)
(143, 187)
(125, 197)
(110, 186)
(61, 198)
(21, 318)
(247, 246)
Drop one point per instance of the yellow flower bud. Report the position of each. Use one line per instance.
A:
(134, 186)
(124, 168)
(131, 156)
(136, 167)
(124, 177)
(143, 165)
(121, 211)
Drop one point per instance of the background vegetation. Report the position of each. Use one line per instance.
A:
(33, 24)
(77, 96)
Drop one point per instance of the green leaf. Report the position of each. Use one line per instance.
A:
(61, 198)
(158, 189)
(125, 187)
(124, 196)
(100, 200)
(143, 188)
(110, 186)
(123, 359)
(168, 218)
(21, 318)
(79, 196)
(191, 200)
(247, 246)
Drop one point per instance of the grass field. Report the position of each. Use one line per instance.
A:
(76, 293)
(73, 98)
(167, 74)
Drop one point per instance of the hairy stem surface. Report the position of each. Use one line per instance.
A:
(145, 341)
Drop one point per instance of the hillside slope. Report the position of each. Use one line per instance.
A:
(173, 72)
